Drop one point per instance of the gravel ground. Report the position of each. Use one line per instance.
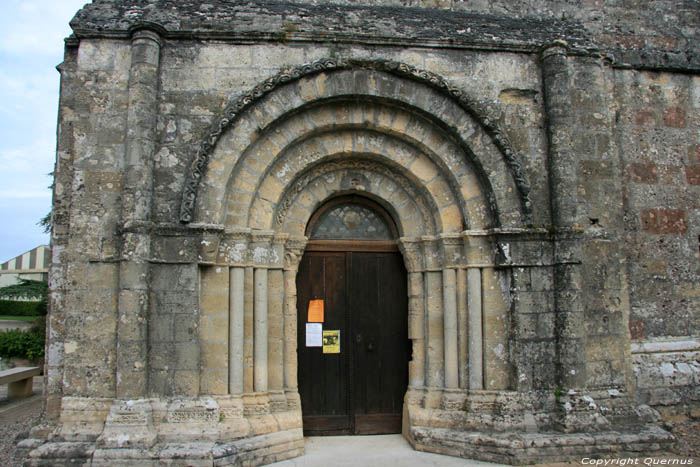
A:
(15, 431)
(688, 436)
(16, 419)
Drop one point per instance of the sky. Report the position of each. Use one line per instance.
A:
(31, 45)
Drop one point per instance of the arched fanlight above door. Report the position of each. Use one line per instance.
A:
(351, 222)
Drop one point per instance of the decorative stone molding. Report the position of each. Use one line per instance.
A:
(277, 251)
(474, 108)
(431, 254)
(412, 255)
(294, 250)
(234, 248)
(305, 179)
(451, 249)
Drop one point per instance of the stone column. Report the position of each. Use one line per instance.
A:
(474, 253)
(261, 250)
(134, 272)
(451, 255)
(248, 329)
(236, 327)
(564, 200)
(275, 344)
(416, 310)
(435, 347)
(462, 328)
(260, 345)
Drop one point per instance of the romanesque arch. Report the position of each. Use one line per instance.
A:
(390, 133)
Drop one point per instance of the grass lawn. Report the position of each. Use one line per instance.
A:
(29, 319)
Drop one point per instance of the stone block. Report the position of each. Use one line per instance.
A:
(185, 382)
(214, 303)
(452, 219)
(215, 279)
(664, 221)
(692, 175)
(174, 277)
(423, 168)
(644, 173)
(674, 117)
(103, 276)
(186, 328)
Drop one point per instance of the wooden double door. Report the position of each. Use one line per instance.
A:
(359, 390)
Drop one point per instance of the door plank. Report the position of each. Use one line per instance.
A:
(323, 378)
(361, 389)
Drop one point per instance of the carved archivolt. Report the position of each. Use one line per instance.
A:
(512, 158)
(303, 181)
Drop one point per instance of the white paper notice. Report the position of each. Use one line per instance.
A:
(314, 334)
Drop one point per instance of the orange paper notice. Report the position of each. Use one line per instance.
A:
(315, 311)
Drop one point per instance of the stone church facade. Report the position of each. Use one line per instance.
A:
(535, 168)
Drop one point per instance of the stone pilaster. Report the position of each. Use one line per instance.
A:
(134, 273)
(60, 237)
(294, 249)
(564, 202)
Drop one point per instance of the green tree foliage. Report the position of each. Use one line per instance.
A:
(25, 289)
(27, 344)
(45, 222)
(17, 308)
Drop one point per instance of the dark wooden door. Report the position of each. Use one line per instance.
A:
(361, 389)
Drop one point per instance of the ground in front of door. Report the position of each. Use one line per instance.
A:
(394, 451)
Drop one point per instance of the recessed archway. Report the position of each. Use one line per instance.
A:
(353, 271)
(443, 177)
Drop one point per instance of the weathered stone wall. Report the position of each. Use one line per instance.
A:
(541, 164)
(657, 132)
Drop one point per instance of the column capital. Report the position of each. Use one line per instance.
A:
(431, 254)
(293, 251)
(410, 247)
(478, 249)
(148, 32)
(233, 247)
(556, 47)
(261, 253)
(451, 249)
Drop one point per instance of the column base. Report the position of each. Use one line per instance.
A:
(202, 431)
(536, 427)
(517, 448)
(257, 450)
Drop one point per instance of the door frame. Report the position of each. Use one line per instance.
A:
(346, 246)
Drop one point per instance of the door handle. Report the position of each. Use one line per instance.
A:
(358, 338)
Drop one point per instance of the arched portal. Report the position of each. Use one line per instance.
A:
(354, 381)
(282, 165)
